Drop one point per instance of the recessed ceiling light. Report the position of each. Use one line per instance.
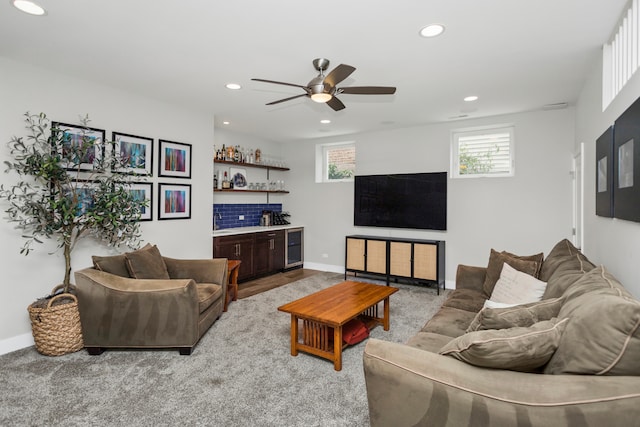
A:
(225, 122)
(233, 86)
(471, 98)
(432, 30)
(29, 7)
(325, 121)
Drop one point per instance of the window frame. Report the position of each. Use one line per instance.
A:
(477, 131)
(322, 160)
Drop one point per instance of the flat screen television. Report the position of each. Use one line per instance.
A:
(411, 200)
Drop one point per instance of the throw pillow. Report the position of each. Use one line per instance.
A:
(518, 349)
(603, 334)
(515, 287)
(116, 264)
(520, 315)
(146, 264)
(498, 259)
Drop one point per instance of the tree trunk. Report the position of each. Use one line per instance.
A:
(67, 267)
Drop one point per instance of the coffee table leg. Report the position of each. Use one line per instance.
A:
(337, 348)
(386, 314)
(294, 335)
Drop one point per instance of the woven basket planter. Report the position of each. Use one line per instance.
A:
(56, 328)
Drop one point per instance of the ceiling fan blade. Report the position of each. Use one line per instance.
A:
(287, 99)
(281, 83)
(336, 104)
(338, 74)
(368, 90)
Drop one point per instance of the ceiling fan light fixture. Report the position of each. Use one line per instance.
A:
(321, 97)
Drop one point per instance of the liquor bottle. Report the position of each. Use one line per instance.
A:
(258, 155)
(226, 184)
(237, 155)
(224, 153)
(215, 181)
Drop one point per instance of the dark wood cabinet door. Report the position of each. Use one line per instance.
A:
(237, 247)
(269, 252)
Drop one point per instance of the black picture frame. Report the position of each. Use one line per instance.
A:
(604, 173)
(144, 190)
(174, 159)
(626, 157)
(73, 135)
(174, 201)
(139, 151)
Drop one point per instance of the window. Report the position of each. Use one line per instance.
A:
(335, 162)
(482, 152)
(621, 55)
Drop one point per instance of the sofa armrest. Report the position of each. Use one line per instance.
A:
(124, 312)
(407, 386)
(212, 270)
(470, 277)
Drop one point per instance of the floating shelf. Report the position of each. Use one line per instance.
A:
(251, 165)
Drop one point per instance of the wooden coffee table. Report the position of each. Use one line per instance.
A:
(332, 308)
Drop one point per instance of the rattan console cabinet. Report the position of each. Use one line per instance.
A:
(413, 260)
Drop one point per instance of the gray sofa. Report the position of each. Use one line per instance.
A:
(589, 376)
(144, 300)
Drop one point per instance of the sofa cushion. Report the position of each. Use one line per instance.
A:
(428, 341)
(115, 264)
(498, 259)
(449, 321)
(515, 287)
(465, 299)
(561, 252)
(208, 293)
(518, 349)
(146, 263)
(521, 315)
(603, 333)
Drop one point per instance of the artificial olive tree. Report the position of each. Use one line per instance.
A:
(56, 195)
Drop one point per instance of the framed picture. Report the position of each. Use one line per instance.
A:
(83, 195)
(144, 191)
(604, 174)
(174, 201)
(626, 163)
(85, 142)
(175, 159)
(136, 152)
(239, 178)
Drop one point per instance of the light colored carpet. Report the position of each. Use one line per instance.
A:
(240, 374)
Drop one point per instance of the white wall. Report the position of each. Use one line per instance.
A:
(25, 88)
(524, 214)
(613, 243)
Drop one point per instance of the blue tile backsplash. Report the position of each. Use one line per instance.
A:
(227, 215)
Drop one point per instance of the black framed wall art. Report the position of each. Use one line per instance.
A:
(626, 176)
(81, 145)
(175, 159)
(604, 174)
(136, 151)
(174, 201)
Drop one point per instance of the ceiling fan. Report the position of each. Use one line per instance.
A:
(323, 88)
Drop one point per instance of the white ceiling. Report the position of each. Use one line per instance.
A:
(516, 55)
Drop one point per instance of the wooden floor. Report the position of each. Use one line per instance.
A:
(253, 287)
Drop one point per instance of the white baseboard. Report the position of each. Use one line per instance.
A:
(324, 267)
(16, 343)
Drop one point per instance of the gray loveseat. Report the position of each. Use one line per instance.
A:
(590, 378)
